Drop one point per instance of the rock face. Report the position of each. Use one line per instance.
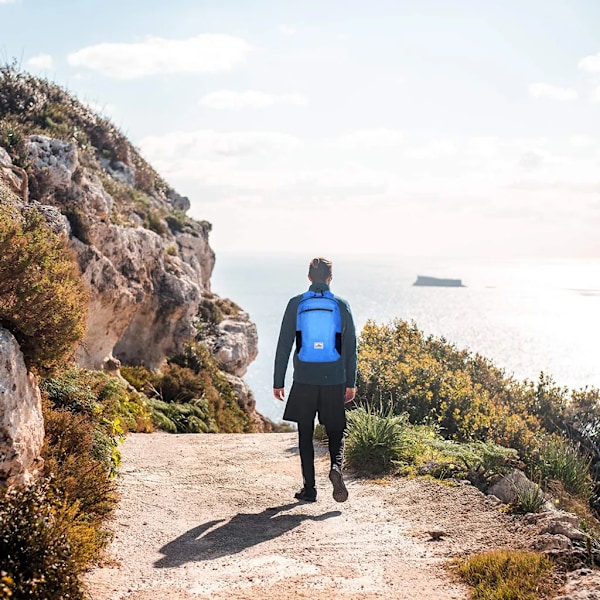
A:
(21, 421)
(146, 279)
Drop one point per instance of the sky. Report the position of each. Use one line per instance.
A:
(406, 127)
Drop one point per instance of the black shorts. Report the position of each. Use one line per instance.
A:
(307, 400)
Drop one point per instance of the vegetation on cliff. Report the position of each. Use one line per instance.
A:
(43, 301)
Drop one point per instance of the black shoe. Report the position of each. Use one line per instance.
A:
(340, 493)
(306, 495)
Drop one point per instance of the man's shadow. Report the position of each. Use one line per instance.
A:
(240, 532)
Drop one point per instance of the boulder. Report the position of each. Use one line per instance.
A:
(237, 344)
(507, 487)
(558, 522)
(21, 421)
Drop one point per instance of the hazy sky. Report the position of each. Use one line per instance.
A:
(417, 127)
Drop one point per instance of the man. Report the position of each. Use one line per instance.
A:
(324, 373)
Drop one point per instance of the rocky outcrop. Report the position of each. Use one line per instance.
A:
(146, 280)
(21, 421)
(582, 584)
(235, 346)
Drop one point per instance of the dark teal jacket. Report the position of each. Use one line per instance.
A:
(341, 371)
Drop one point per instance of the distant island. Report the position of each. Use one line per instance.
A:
(437, 281)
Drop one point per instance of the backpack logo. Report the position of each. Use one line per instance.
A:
(318, 328)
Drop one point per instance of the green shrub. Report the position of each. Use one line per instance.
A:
(11, 139)
(216, 389)
(376, 443)
(560, 460)
(80, 461)
(528, 499)
(43, 300)
(508, 575)
(102, 396)
(184, 417)
(139, 377)
(154, 221)
(468, 399)
(320, 433)
(193, 382)
(478, 462)
(40, 556)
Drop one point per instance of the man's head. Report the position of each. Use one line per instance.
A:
(320, 270)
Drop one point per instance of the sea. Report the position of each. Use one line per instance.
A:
(527, 316)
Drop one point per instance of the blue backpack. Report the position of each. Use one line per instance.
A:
(318, 328)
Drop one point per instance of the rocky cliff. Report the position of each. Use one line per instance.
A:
(21, 423)
(147, 265)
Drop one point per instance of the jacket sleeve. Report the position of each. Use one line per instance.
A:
(349, 349)
(287, 335)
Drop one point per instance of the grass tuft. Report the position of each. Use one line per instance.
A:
(376, 443)
(508, 575)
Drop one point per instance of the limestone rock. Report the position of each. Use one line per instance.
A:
(583, 584)
(119, 171)
(144, 296)
(506, 488)
(237, 344)
(57, 159)
(177, 201)
(546, 542)
(21, 421)
(146, 274)
(561, 523)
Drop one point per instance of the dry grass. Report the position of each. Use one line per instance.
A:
(509, 575)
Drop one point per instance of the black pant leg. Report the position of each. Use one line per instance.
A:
(307, 452)
(336, 446)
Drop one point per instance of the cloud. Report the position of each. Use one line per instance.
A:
(551, 92)
(596, 94)
(206, 53)
(7, 1)
(433, 150)
(369, 138)
(214, 145)
(41, 62)
(582, 141)
(591, 63)
(531, 160)
(286, 29)
(229, 100)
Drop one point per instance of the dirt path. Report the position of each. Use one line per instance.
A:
(213, 516)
